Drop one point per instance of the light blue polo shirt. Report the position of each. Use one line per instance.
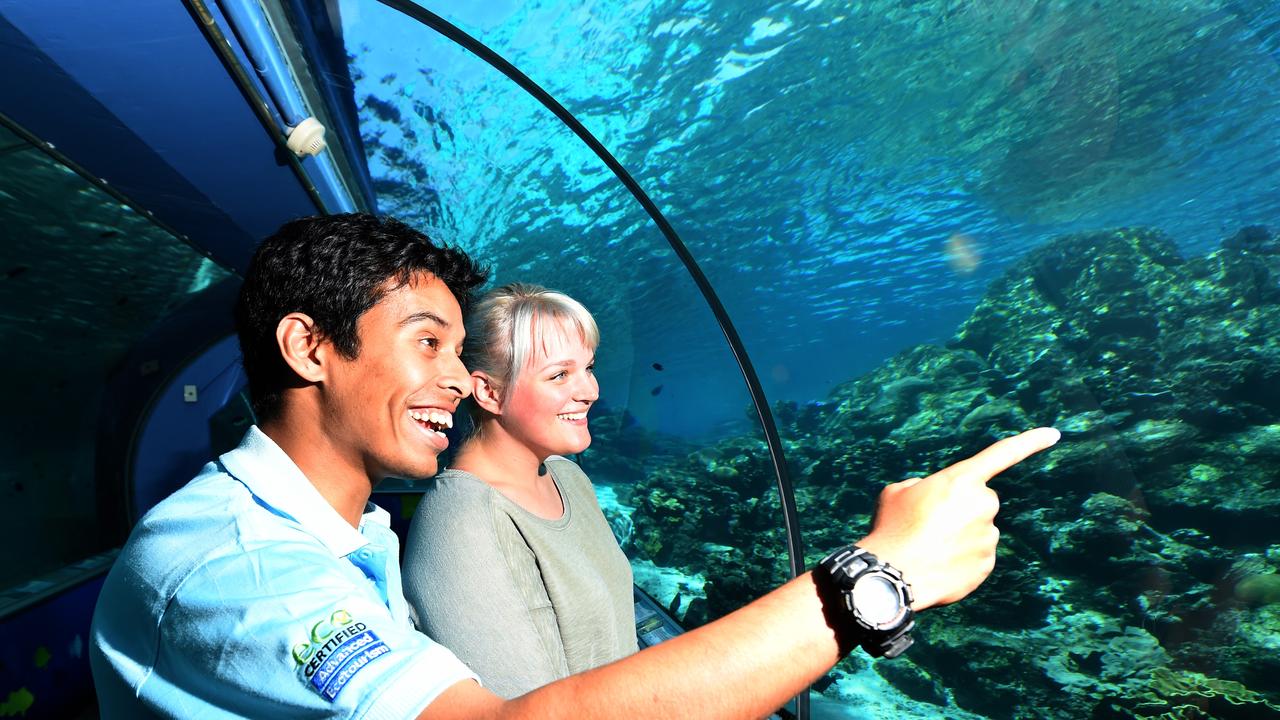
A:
(246, 595)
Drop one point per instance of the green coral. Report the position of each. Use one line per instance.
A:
(1163, 374)
(660, 499)
(1259, 589)
(1175, 694)
(650, 546)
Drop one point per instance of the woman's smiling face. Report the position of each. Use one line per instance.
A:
(546, 407)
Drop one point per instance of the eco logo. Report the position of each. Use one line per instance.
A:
(320, 632)
(337, 648)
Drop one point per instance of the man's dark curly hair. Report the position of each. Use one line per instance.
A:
(333, 268)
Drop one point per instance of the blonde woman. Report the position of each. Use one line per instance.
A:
(510, 562)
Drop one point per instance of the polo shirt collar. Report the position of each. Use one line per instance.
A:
(274, 479)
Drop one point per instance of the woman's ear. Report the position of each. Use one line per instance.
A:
(300, 346)
(485, 393)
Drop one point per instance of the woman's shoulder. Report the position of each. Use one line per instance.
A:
(453, 480)
(562, 461)
(458, 516)
(564, 467)
(454, 492)
(569, 475)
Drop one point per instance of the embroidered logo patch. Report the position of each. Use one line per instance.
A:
(338, 647)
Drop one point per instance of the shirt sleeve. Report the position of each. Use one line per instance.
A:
(476, 589)
(289, 631)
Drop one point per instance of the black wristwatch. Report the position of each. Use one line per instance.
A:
(866, 602)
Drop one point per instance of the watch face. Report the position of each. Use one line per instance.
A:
(877, 600)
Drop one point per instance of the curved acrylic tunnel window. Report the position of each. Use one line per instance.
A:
(84, 278)
(920, 251)
(922, 254)
(1061, 215)
(457, 149)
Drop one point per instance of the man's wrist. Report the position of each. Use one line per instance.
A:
(831, 596)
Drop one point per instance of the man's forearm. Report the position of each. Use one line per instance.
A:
(744, 665)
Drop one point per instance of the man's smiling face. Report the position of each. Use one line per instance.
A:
(386, 409)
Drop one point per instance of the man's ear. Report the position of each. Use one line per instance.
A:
(300, 345)
(485, 393)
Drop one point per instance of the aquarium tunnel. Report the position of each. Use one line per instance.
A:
(829, 245)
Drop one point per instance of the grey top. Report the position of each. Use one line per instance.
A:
(521, 599)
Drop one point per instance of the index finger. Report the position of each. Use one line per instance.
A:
(1003, 455)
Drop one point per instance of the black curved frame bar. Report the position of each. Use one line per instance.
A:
(785, 491)
(444, 27)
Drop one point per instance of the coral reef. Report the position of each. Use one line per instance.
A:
(1185, 695)
(1120, 579)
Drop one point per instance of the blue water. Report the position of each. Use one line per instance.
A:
(816, 158)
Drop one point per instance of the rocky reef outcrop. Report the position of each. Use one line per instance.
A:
(1138, 569)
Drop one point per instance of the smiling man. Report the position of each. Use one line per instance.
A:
(270, 587)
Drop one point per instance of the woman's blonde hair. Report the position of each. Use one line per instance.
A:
(505, 324)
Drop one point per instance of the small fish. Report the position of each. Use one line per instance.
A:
(824, 682)
(122, 300)
(108, 234)
(16, 271)
(674, 607)
(656, 390)
(657, 366)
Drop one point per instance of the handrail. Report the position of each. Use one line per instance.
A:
(38, 590)
(786, 494)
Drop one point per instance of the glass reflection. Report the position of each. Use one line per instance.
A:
(84, 277)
